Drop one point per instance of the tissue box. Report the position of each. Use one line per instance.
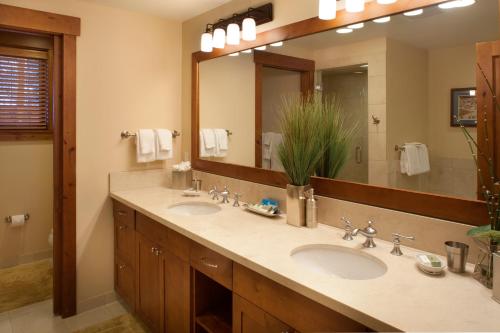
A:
(496, 277)
(181, 180)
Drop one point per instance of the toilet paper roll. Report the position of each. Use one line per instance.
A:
(17, 221)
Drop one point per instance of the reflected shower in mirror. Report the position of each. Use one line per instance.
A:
(405, 83)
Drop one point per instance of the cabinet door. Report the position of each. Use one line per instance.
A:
(125, 281)
(149, 278)
(248, 318)
(177, 294)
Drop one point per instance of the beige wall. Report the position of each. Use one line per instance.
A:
(448, 68)
(26, 187)
(227, 100)
(128, 77)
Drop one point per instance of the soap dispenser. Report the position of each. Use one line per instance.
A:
(311, 210)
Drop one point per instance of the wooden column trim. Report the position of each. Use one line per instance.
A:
(68, 305)
(35, 20)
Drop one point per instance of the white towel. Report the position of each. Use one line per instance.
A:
(414, 159)
(276, 165)
(267, 140)
(145, 146)
(204, 151)
(222, 144)
(164, 144)
(208, 138)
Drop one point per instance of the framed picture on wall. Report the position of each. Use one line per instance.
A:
(463, 107)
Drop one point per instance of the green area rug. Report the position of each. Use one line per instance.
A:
(126, 323)
(25, 284)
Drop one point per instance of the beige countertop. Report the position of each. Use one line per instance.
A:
(403, 299)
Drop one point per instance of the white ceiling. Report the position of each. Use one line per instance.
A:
(179, 10)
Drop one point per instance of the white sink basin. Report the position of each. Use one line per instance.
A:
(340, 261)
(194, 208)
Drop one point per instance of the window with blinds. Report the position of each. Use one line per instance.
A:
(24, 91)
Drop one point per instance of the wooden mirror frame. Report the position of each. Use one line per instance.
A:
(471, 212)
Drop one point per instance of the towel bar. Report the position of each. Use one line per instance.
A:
(8, 219)
(129, 134)
(400, 148)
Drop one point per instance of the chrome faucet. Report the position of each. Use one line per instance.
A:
(369, 232)
(396, 239)
(225, 195)
(213, 192)
(237, 197)
(347, 229)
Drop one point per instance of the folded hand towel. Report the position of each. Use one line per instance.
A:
(267, 139)
(164, 144)
(222, 144)
(208, 138)
(414, 159)
(277, 140)
(204, 151)
(145, 142)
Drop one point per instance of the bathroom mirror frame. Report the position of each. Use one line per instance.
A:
(471, 212)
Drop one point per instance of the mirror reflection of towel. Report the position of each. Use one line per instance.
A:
(414, 159)
(270, 155)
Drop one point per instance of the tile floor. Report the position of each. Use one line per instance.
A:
(38, 318)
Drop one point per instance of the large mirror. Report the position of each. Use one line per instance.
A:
(403, 83)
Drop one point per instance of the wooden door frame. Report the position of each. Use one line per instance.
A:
(64, 30)
(304, 67)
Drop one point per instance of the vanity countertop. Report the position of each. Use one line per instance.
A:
(403, 299)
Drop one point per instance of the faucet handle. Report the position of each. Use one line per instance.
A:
(213, 192)
(237, 197)
(347, 228)
(370, 230)
(396, 239)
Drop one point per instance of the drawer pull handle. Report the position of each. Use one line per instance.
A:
(158, 252)
(204, 261)
(122, 266)
(122, 213)
(154, 249)
(122, 227)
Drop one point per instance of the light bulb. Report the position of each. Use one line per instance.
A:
(261, 48)
(277, 44)
(247, 51)
(206, 42)
(344, 31)
(456, 4)
(219, 38)
(386, 2)
(233, 34)
(249, 31)
(415, 12)
(382, 19)
(327, 9)
(235, 54)
(354, 6)
(356, 26)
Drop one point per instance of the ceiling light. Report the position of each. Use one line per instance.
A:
(235, 54)
(261, 48)
(277, 44)
(247, 51)
(354, 6)
(356, 26)
(249, 31)
(364, 65)
(327, 9)
(344, 31)
(456, 4)
(219, 38)
(382, 19)
(233, 34)
(414, 12)
(206, 42)
(386, 2)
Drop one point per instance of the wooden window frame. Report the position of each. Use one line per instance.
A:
(31, 135)
(471, 212)
(63, 31)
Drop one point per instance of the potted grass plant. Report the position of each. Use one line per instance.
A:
(314, 140)
(487, 237)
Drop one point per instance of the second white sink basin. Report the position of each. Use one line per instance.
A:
(340, 261)
(194, 208)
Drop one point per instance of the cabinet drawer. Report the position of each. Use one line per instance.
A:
(288, 306)
(212, 264)
(123, 214)
(125, 281)
(154, 231)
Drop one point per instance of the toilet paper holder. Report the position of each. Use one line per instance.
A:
(8, 219)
